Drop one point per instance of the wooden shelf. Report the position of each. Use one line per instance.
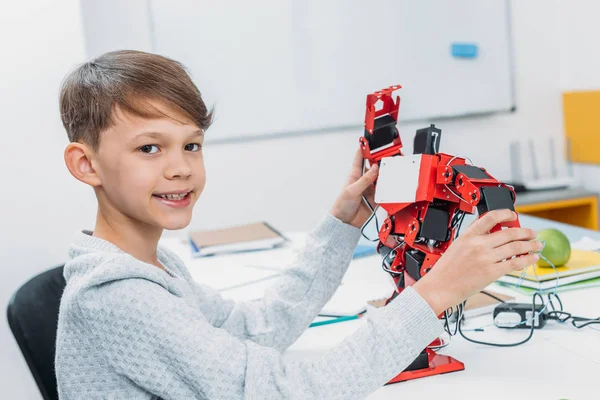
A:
(577, 207)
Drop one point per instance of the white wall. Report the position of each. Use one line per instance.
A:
(124, 24)
(40, 205)
(290, 182)
(580, 62)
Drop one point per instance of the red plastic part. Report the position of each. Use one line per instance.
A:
(438, 364)
(389, 106)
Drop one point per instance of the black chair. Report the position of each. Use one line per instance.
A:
(33, 318)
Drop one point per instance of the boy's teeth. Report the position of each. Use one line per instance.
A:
(173, 196)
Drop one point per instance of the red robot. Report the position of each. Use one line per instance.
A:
(426, 196)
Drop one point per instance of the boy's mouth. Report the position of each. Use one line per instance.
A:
(175, 199)
(173, 196)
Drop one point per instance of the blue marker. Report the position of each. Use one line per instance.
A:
(333, 321)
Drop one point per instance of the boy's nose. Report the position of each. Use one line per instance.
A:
(178, 167)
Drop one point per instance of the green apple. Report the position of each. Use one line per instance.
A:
(557, 248)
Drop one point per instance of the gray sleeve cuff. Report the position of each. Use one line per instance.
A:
(421, 324)
(336, 235)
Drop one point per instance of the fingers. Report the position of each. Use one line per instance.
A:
(357, 162)
(508, 235)
(356, 171)
(484, 224)
(357, 188)
(512, 249)
(518, 263)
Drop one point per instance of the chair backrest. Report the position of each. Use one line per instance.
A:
(33, 318)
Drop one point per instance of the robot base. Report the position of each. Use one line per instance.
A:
(438, 364)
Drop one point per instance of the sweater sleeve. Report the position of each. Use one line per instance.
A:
(295, 298)
(165, 346)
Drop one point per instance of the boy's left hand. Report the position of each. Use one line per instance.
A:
(349, 206)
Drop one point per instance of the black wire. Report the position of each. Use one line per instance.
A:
(446, 320)
(459, 316)
(456, 220)
(373, 214)
(589, 321)
(401, 282)
(560, 316)
(492, 296)
(393, 274)
(446, 324)
(563, 317)
(362, 230)
(533, 310)
(448, 314)
(460, 224)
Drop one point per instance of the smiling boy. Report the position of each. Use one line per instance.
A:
(134, 325)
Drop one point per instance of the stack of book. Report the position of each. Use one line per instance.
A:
(241, 238)
(582, 270)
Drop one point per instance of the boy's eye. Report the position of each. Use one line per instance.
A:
(149, 149)
(192, 147)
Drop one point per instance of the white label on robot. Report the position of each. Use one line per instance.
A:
(398, 179)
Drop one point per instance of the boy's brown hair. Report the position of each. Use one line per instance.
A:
(130, 80)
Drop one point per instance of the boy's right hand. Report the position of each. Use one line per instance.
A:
(476, 259)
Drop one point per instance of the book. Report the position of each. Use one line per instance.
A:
(594, 282)
(550, 284)
(582, 266)
(248, 237)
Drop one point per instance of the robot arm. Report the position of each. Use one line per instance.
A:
(381, 138)
(426, 194)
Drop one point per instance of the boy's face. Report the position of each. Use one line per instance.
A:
(151, 170)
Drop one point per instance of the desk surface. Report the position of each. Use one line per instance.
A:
(559, 362)
(546, 196)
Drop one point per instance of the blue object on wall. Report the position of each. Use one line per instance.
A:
(464, 50)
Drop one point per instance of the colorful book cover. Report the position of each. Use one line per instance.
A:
(581, 262)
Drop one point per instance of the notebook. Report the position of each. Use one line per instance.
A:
(582, 266)
(593, 282)
(248, 237)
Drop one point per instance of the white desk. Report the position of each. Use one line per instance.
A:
(559, 362)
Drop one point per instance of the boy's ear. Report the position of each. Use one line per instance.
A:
(79, 160)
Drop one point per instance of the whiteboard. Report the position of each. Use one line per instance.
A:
(276, 66)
